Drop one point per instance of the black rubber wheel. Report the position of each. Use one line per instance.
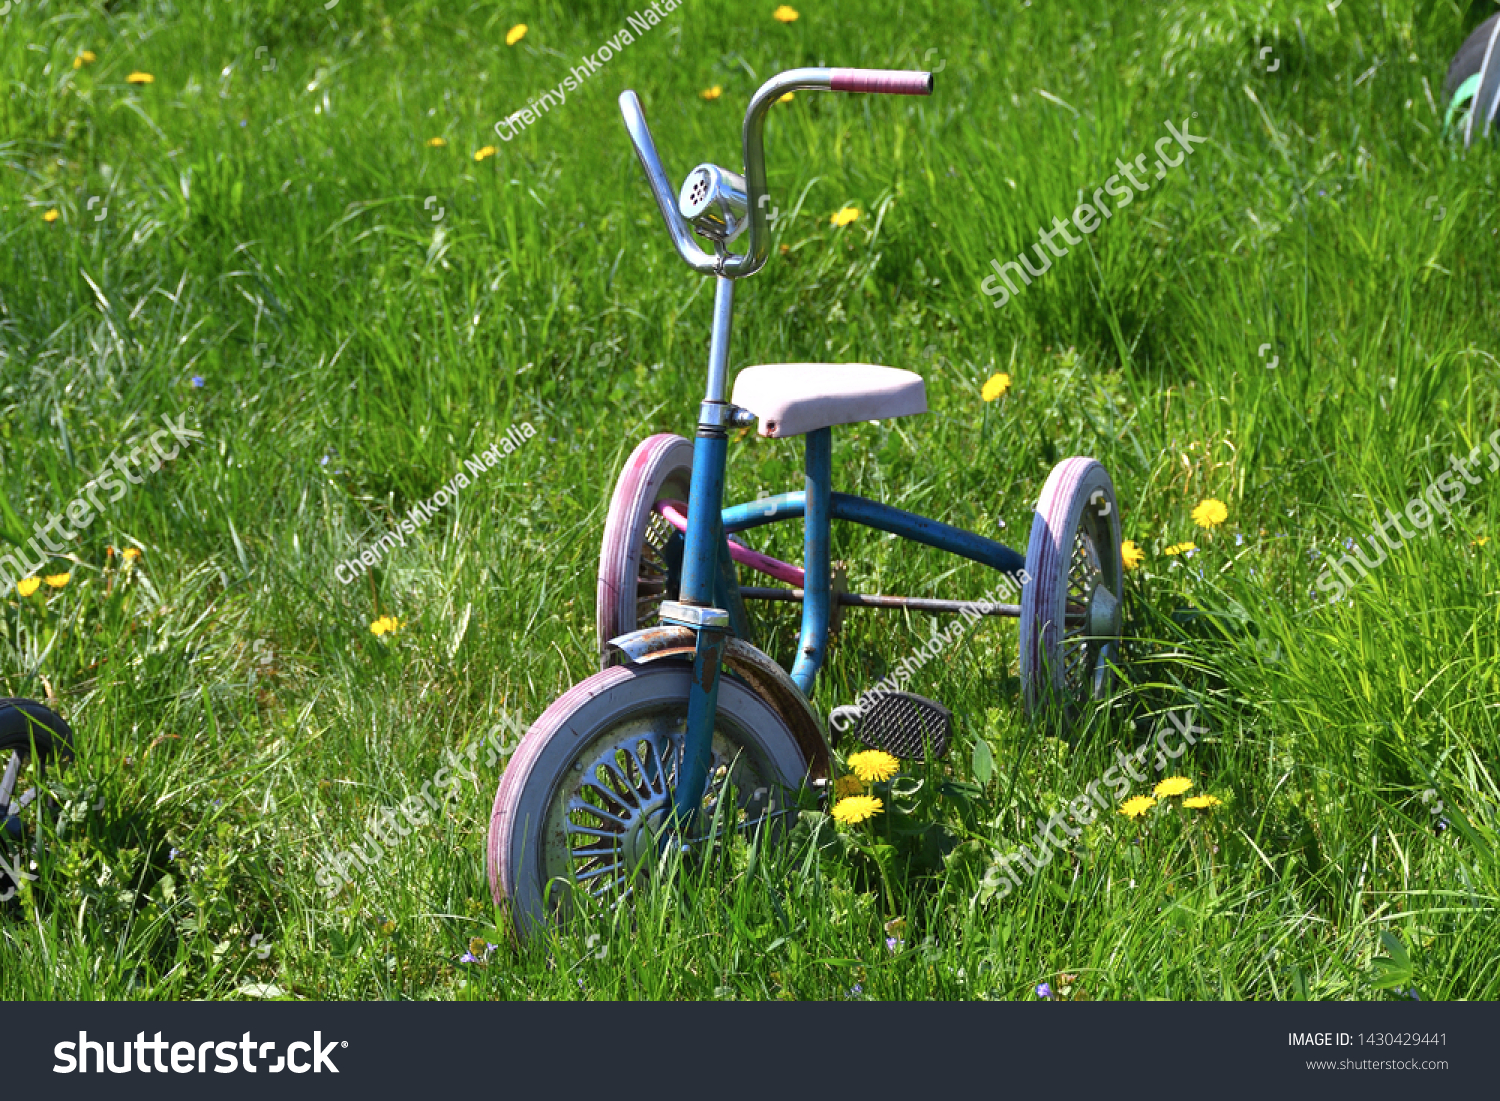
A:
(26, 722)
(1473, 82)
(25, 727)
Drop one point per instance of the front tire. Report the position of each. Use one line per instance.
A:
(584, 799)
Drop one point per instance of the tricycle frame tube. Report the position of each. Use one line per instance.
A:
(703, 577)
(881, 517)
(816, 528)
(705, 530)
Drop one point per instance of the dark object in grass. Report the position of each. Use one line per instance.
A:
(1472, 86)
(25, 726)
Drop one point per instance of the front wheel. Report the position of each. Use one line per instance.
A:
(1070, 609)
(585, 799)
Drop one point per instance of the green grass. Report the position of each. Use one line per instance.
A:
(268, 230)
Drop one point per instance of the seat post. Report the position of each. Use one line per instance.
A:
(817, 523)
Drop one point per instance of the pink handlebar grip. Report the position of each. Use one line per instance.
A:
(893, 81)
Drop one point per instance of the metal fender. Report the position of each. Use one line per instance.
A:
(755, 669)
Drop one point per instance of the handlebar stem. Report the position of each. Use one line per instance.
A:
(738, 265)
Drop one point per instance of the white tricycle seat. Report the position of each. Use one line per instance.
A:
(791, 399)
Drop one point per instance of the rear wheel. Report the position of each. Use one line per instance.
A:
(1071, 608)
(636, 570)
(583, 804)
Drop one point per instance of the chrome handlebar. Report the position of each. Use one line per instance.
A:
(738, 265)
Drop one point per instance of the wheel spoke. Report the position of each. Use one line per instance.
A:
(604, 889)
(607, 869)
(608, 835)
(600, 813)
(583, 854)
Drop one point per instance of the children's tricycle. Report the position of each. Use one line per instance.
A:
(689, 733)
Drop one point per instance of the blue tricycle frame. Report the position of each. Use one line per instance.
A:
(614, 770)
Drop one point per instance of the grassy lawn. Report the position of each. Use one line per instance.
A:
(303, 239)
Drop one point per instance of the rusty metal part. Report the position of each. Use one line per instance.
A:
(911, 603)
(838, 588)
(755, 669)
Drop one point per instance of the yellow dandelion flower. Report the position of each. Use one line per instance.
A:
(1180, 548)
(85, 58)
(995, 387)
(712, 93)
(848, 784)
(786, 98)
(57, 580)
(784, 14)
(437, 143)
(1134, 808)
(845, 216)
(131, 554)
(1210, 513)
(856, 808)
(140, 78)
(487, 151)
(1172, 785)
(28, 585)
(515, 34)
(873, 765)
(1131, 555)
(51, 216)
(1481, 541)
(1202, 802)
(384, 625)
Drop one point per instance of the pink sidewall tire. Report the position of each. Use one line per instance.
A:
(581, 802)
(1070, 609)
(632, 574)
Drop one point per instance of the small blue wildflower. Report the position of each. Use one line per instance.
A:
(1321, 193)
(1239, 539)
(1043, 990)
(893, 944)
(468, 957)
(172, 855)
(857, 988)
(243, 123)
(197, 381)
(323, 461)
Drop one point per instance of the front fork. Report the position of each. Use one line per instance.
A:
(710, 601)
(707, 571)
(701, 570)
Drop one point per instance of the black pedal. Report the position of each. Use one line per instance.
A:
(900, 723)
